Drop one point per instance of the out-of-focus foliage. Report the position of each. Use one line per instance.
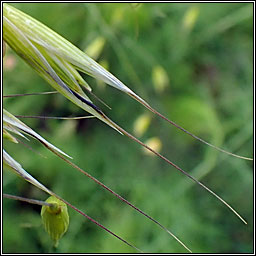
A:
(206, 52)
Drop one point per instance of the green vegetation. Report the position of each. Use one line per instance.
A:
(193, 63)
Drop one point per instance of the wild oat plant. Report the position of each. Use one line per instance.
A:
(61, 65)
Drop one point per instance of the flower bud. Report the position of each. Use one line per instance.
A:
(55, 218)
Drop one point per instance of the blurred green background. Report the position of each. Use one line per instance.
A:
(193, 63)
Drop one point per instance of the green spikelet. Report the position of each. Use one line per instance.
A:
(55, 219)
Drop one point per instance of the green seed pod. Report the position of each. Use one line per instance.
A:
(55, 218)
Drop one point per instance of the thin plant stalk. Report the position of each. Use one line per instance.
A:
(28, 94)
(56, 117)
(27, 200)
